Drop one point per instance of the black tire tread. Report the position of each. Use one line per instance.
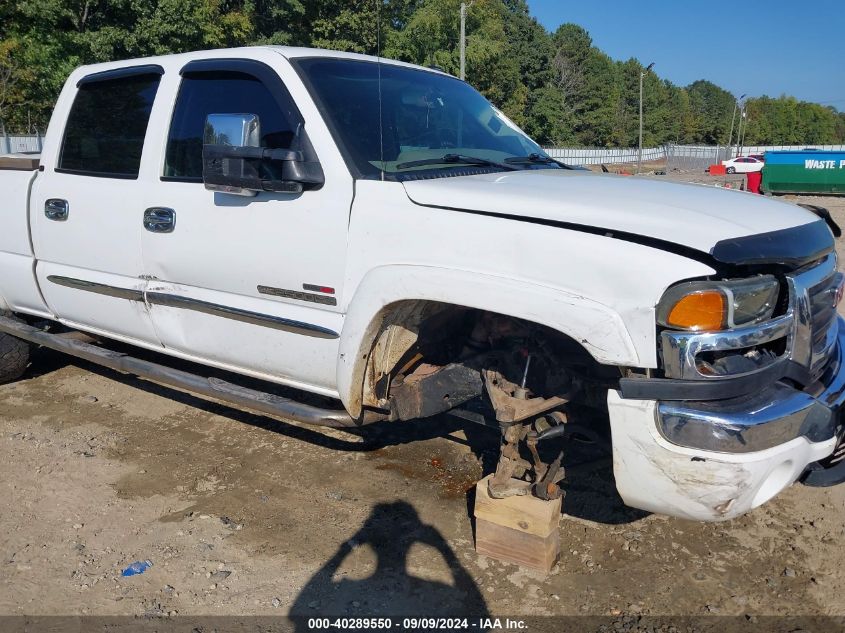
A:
(14, 358)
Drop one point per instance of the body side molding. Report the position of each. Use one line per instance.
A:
(245, 316)
(175, 301)
(97, 288)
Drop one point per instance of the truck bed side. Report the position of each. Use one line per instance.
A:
(18, 286)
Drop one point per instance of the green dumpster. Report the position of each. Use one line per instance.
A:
(808, 171)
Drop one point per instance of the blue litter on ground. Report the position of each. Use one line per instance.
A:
(138, 567)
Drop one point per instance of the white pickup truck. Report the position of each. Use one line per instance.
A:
(379, 234)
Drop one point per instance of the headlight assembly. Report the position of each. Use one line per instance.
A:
(718, 305)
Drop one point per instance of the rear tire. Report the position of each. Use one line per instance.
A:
(14, 358)
(731, 170)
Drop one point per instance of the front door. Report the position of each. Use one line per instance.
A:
(251, 284)
(87, 208)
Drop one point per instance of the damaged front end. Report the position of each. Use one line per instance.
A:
(747, 397)
(491, 369)
(748, 387)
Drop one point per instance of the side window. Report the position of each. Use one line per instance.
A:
(226, 92)
(104, 133)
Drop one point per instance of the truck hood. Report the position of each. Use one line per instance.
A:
(698, 217)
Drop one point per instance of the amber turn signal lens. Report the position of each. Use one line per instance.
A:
(699, 311)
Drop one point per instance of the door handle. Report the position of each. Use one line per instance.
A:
(56, 209)
(160, 220)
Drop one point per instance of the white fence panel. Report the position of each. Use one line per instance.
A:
(602, 155)
(15, 144)
(676, 156)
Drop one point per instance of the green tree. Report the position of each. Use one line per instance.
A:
(357, 25)
(558, 86)
(712, 108)
(431, 38)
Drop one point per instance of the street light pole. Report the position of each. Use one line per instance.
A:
(741, 138)
(640, 154)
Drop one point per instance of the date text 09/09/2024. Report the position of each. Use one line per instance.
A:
(419, 623)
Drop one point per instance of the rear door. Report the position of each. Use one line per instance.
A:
(87, 209)
(250, 284)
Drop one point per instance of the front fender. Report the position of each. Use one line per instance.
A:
(599, 329)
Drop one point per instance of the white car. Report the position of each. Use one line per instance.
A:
(743, 165)
(378, 234)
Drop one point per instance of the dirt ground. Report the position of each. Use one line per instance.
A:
(244, 514)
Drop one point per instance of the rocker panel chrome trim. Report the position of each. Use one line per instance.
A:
(216, 388)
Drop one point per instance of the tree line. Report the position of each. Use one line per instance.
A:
(558, 86)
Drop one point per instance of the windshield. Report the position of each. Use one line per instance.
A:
(427, 124)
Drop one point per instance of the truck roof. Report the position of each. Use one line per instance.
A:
(289, 52)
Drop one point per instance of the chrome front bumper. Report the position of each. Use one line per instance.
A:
(774, 416)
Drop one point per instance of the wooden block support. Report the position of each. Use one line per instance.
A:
(521, 530)
(19, 162)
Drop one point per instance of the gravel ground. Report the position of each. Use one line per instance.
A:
(243, 514)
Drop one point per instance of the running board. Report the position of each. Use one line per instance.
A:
(211, 387)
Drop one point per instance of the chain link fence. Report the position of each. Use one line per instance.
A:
(694, 157)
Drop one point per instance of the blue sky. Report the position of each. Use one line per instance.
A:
(752, 46)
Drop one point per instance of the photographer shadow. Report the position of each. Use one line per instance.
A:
(391, 591)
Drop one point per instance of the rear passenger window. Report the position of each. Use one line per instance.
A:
(105, 130)
(223, 92)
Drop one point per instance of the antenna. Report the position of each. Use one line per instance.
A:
(378, 64)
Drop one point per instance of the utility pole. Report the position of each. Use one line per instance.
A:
(640, 154)
(733, 116)
(463, 40)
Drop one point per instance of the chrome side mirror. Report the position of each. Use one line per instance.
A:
(237, 130)
(233, 160)
(230, 175)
